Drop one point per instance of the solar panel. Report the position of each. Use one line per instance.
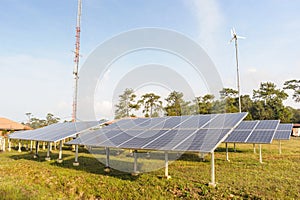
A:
(178, 133)
(283, 132)
(256, 132)
(54, 132)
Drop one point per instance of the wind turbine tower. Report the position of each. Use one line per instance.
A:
(235, 38)
(76, 62)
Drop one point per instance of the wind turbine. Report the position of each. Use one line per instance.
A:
(235, 38)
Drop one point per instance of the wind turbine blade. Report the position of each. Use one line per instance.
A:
(240, 37)
(233, 29)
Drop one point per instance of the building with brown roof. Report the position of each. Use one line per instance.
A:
(7, 125)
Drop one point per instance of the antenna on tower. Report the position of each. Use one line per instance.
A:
(76, 61)
(235, 38)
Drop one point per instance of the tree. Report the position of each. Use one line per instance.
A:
(126, 104)
(176, 106)
(269, 100)
(152, 104)
(51, 119)
(293, 85)
(204, 105)
(230, 100)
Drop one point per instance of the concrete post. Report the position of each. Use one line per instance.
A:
(76, 163)
(59, 160)
(260, 156)
(135, 171)
(227, 156)
(3, 145)
(9, 145)
(36, 149)
(20, 146)
(167, 166)
(48, 152)
(213, 181)
(107, 165)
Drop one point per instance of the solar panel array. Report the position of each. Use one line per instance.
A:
(256, 132)
(283, 132)
(179, 133)
(54, 132)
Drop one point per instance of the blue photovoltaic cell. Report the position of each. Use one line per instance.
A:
(170, 140)
(285, 127)
(203, 140)
(267, 124)
(143, 139)
(238, 136)
(283, 132)
(195, 122)
(54, 132)
(247, 125)
(282, 135)
(185, 133)
(225, 120)
(261, 137)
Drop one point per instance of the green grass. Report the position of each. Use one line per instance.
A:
(23, 177)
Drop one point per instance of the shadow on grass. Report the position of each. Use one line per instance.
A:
(92, 165)
(223, 149)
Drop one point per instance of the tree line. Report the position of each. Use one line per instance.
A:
(266, 103)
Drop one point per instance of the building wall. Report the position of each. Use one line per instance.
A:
(296, 132)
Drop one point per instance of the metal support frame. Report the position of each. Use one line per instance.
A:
(59, 160)
(213, 181)
(50, 146)
(254, 150)
(227, 156)
(9, 145)
(260, 155)
(167, 165)
(76, 163)
(48, 152)
(279, 146)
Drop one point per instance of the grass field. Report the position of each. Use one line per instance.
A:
(23, 177)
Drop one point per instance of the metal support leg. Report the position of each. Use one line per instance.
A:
(76, 163)
(20, 146)
(44, 146)
(59, 160)
(279, 146)
(254, 150)
(48, 152)
(36, 149)
(260, 156)
(227, 156)
(107, 168)
(135, 171)
(213, 181)
(167, 166)
(9, 145)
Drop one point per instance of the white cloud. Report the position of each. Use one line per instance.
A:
(103, 109)
(209, 19)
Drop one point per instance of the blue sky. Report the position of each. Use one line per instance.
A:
(37, 39)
